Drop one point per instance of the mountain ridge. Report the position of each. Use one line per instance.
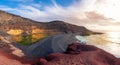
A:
(27, 31)
(10, 21)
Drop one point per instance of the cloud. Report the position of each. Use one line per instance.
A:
(89, 13)
(36, 5)
(5, 8)
(109, 8)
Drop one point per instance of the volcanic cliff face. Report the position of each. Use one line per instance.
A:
(26, 31)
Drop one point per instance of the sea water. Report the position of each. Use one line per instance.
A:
(110, 41)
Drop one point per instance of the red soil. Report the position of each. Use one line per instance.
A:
(6, 58)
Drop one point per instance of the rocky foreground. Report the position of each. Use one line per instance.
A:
(8, 59)
(80, 54)
(76, 54)
(63, 52)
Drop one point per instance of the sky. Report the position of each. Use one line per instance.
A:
(97, 15)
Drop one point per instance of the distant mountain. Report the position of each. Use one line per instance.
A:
(26, 31)
(63, 27)
(13, 22)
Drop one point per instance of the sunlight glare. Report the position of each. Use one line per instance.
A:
(114, 36)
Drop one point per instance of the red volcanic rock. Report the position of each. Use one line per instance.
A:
(81, 54)
(7, 58)
(73, 49)
(117, 62)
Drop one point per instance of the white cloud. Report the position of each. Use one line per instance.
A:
(85, 12)
(109, 8)
(31, 12)
(36, 5)
(5, 8)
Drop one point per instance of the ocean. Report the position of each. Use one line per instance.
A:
(109, 41)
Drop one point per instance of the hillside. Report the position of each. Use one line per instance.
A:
(23, 30)
(12, 22)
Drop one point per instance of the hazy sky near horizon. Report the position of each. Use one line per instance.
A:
(94, 14)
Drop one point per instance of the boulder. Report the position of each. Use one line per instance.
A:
(81, 54)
